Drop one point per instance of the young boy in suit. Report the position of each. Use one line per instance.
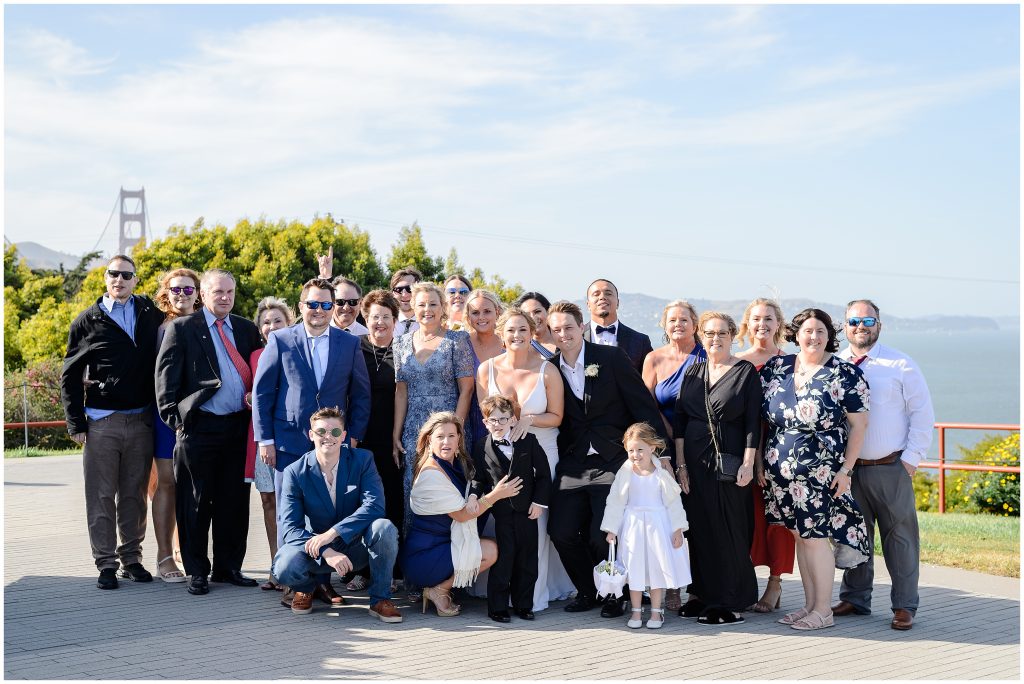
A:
(515, 518)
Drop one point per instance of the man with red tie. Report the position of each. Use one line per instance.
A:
(203, 385)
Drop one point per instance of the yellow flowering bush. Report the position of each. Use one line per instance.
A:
(977, 492)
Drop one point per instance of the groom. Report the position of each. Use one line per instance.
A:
(603, 396)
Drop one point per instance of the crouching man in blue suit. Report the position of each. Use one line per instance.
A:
(338, 489)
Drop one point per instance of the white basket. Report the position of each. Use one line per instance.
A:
(610, 575)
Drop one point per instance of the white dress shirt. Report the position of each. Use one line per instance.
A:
(506, 449)
(576, 375)
(605, 337)
(901, 414)
(356, 328)
(331, 481)
(400, 325)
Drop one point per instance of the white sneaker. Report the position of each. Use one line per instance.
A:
(638, 623)
(656, 624)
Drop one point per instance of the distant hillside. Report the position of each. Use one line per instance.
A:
(38, 256)
(642, 312)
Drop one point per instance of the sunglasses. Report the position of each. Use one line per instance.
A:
(460, 290)
(350, 302)
(335, 432)
(868, 321)
(314, 305)
(499, 421)
(402, 289)
(125, 275)
(187, 289)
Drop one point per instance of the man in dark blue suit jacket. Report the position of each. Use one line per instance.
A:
(305, 367)
(606, 328)
(338, 490)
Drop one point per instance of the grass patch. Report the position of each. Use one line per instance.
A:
(981, 542)
(33, 452)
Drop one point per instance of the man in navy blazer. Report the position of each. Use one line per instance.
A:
(303, 368)
(606, 328)
(337, 489)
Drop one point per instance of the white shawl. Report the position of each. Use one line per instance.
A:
(434, 494)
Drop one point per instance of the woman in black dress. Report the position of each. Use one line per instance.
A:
(720, 512)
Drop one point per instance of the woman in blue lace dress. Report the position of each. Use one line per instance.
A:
(816, 407)
(433, 372)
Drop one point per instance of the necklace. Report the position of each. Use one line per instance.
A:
(379, 360)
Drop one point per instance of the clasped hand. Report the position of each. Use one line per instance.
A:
(315, 543)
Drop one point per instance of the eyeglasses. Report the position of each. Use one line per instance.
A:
(187, 289)
(868, 321)
(711, 334)
(458, 290)
(335, 432)
(313, 305)
(347, 302)
(400, 289)
(499, 421)
(125, 275)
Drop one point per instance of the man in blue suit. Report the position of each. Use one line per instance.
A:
(303, 368)
(338, 490)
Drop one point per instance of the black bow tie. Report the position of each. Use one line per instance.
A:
(502, 442)
(611, 329)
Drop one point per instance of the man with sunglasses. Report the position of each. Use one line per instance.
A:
(107, 389)
(346, 306)
(898, 436)
(304, 368)
(402, 281)
(339, 492)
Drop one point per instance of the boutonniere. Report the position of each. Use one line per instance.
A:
(592, 370)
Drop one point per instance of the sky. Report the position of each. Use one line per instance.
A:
(724, 152)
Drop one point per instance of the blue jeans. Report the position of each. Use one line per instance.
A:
(378, 547)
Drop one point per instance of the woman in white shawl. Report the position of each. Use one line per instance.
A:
(442, 548)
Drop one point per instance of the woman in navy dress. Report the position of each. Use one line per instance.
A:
(535, 305)
(442, 548)
(816, 407)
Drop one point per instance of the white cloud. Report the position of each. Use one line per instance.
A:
(839, 71)
(56, 56)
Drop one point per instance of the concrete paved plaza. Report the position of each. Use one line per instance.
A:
(58, 625)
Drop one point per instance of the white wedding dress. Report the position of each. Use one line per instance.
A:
(553, 583)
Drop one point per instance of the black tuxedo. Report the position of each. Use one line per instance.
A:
(636, 345)
(515, 571)
(209, 455)
(613, 399)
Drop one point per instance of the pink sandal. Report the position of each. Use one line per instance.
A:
(813, 620)
(790, 618)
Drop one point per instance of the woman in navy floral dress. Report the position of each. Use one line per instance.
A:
(816, 407)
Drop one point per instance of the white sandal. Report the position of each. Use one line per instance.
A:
(636, 624)
(656, 624)
(172, 576)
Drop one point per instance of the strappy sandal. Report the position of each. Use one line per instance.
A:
(357, 583)
(639, 622)
(790, 618)
(270, 585)
(813, 620)
(765, 604)
(656, 624)
(171, 576)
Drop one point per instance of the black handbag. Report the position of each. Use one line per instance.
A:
(726, 466)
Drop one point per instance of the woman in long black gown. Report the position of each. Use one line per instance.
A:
(720, 513)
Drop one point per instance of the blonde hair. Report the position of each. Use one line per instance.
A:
(425, 286)
(435, 421)
(716, 315)
(643, 432)
(512, 312)
(268, 303)
(499, 307)
(682, 304)
(744, 330)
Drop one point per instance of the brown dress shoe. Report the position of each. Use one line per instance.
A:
(902, 619)
(326, 593)
(302, 604)
(843, 609)
(386, 611)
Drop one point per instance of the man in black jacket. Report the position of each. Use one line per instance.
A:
(604, 395)
(606, 328)
(203, 390)
(107, 390)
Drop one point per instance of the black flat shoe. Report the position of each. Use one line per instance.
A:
(718, 617)
(524, 614)
(136, 573)
(234, 577)
(198, 585)
(580, 604)
(499, 616)
(692, 609)
(107, 579)
(612, 608)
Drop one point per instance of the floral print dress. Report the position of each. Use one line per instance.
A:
(807, 433)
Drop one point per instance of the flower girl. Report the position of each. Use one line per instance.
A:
(645, 513)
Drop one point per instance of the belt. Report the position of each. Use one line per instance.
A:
(885, 460)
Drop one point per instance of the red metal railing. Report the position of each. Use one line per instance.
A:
(942, 466)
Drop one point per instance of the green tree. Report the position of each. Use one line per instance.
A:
(16, 272)
(74, 278)
(410, 250)
(452, 265)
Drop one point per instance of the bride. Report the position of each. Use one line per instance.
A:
(523, 373)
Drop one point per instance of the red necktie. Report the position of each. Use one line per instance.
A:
(859, 360)
(240, 365)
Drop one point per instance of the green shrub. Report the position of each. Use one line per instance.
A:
(977, 492)
(44, 403)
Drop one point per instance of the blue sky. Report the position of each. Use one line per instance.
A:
(684, 151)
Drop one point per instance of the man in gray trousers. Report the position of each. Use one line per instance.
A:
(899, 434)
